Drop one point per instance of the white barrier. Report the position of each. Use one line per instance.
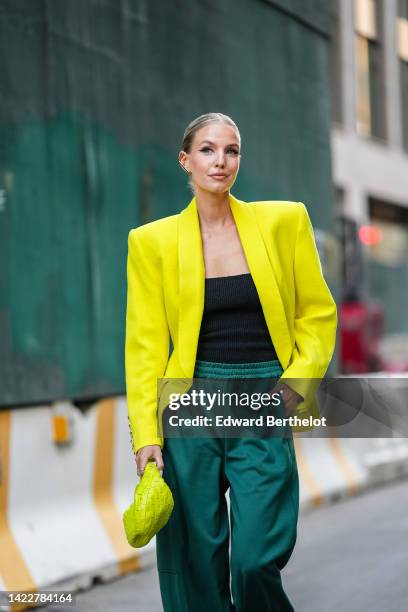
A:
(331, 468)
(62, 527)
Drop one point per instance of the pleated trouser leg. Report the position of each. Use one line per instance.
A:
(264, 501)
(192, 548)
(193, 558)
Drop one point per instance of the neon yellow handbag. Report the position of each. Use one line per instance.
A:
(152, 506)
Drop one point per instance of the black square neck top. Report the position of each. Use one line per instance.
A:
(233, 327)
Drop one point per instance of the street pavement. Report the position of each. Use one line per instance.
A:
(351, 555)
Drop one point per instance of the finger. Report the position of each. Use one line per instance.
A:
(142, 466)
(273, 392)
(290, 408)
(286, 405)
(159, 461)
(275, 389)
(282, 401)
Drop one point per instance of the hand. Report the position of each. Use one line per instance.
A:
(290, 397)
(144, 454)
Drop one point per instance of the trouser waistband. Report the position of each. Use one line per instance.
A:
(256, 369)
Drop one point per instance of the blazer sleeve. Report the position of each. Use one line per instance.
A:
(147, 338)
(315, 313)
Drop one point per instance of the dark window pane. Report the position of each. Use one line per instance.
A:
(404, 102)
(403, 8)
(376, 89)
(335, 64)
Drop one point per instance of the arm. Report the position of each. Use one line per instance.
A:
(147, 338)
(315, 313)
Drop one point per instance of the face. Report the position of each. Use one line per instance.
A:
(214, 157)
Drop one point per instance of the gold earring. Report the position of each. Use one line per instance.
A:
(184, 168)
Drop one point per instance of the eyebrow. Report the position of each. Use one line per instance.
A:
(232, 144)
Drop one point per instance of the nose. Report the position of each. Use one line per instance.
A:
(220, 159)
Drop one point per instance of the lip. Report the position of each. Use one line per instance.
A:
(218, 176)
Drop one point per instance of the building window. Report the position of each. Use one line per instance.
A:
(402, 43)
(387, 251)
(369, 57)
(335, 64)
(389, 225)
(403, 9)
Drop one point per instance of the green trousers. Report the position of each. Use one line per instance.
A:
(206, 560)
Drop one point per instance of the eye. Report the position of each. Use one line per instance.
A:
(229, 150)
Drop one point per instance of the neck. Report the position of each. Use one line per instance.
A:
(214, 209)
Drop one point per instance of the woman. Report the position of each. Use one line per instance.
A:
(239, 289)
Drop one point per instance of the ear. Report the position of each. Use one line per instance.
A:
(183, 160)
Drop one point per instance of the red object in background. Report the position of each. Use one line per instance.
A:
(370, 235)
(361, 328)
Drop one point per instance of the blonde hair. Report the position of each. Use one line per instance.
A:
(196, 125)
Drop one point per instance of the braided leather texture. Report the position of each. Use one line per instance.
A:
(151, 508)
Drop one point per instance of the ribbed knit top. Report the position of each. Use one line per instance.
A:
(233, 327)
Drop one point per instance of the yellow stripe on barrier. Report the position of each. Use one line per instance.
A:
(103, 486)
(344, 465)
(306, 474)
(13, 569)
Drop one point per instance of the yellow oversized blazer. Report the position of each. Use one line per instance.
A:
(165, 299)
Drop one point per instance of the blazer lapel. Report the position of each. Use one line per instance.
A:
(192, 281)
